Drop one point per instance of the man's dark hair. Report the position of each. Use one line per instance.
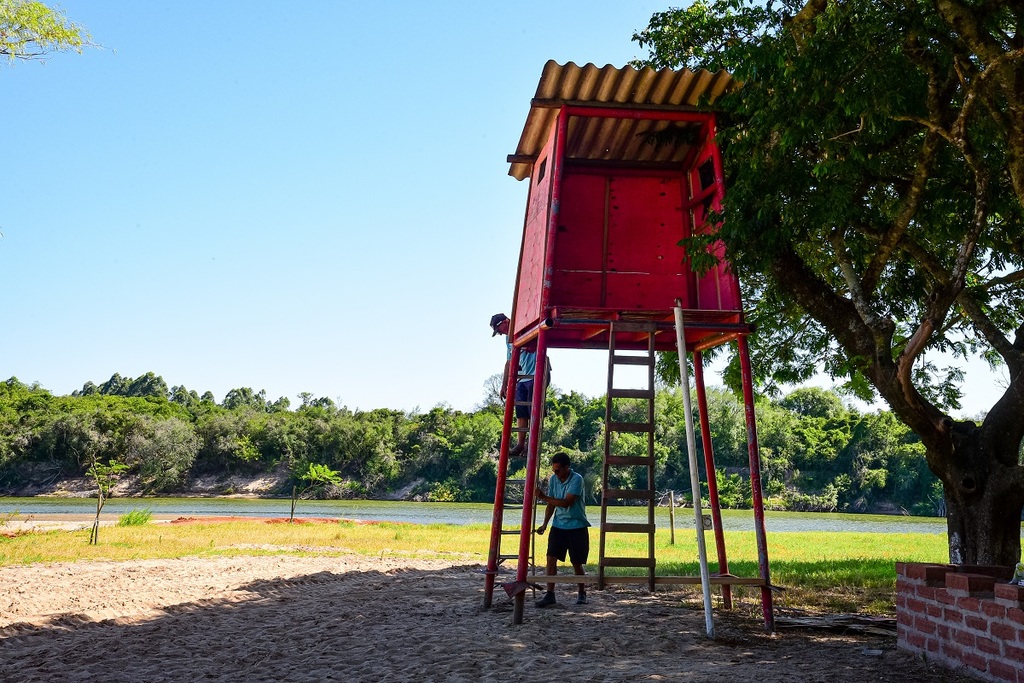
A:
(561, 458)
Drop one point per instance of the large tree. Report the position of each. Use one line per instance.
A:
(874, 152)
(30, 30)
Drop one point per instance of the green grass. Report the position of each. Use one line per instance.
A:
(135, 517)
(835, 572)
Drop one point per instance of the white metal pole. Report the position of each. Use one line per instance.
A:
(691, 451)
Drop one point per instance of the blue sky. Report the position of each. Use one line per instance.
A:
(290, 197)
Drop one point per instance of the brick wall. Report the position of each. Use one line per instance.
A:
(967, 617)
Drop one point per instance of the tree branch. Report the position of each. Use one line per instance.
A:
(988, 329)
(1010, 279)
(980, 320)
(884, 251)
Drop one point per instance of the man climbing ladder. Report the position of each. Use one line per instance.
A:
(524, 382)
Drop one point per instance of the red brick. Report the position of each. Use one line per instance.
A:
(1015, 615)
(969, 604)
(924, 624)
(932, 610)
(1003, 671)
(974, 660)
(965, 638)
(943, 631)
(916, 639)
(993, 610)
(906, 618)
(933, 645)
(1009, 594)
(970, 583)
(988, 646)
(934, 575)
(1013, 652)
(945, 597)
(1003, 631)
(952, 650)
(926, 592)
(914, 570)
(996, 571)
(915, 605)
(976, 622)
(952, 615)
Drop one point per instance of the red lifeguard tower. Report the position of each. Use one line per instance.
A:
(621, 164)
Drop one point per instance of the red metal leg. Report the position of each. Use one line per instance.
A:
(709, 466)
(530, 487)
(755, 484)
(497, 516)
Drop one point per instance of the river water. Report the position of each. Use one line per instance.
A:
(443, 513)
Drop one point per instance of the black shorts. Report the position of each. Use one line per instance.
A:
(576, 541)
(524, 392)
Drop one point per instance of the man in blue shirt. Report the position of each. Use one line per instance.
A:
(569, 530)
(524, 387)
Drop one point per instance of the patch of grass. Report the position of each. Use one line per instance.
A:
(135, 517)
(6, 517)
(834, 572)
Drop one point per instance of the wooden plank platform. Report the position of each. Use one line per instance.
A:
(663, 580)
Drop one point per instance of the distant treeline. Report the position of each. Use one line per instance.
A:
(816, 453)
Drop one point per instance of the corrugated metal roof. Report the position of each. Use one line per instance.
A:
(608, 86)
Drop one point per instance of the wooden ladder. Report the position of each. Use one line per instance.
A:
(614, 464)
(510, 498)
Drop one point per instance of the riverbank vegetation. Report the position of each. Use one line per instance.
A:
(817, 453)
(856, 575)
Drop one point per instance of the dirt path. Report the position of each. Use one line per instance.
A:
(284, 618)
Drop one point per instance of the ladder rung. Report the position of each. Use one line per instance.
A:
(632, 360)
(632, 393)
(520, 430)
(629, 460)
(509, 557)
(509, 532)
(513, 505)
(631, 494)
(630, 427)
(628, 528)
(628, 562)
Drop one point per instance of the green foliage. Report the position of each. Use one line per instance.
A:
(733, 491)
(320, 475)
(874, 158)
(163, 451)
(448, 491)
(105, 475)
(842, 107)
(816, 453)
(135, 517)
(31, 30)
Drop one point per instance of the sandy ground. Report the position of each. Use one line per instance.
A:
(285, 618)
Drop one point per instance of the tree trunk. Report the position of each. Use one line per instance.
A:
(94, 536)
(985, 531)
(984, 499)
